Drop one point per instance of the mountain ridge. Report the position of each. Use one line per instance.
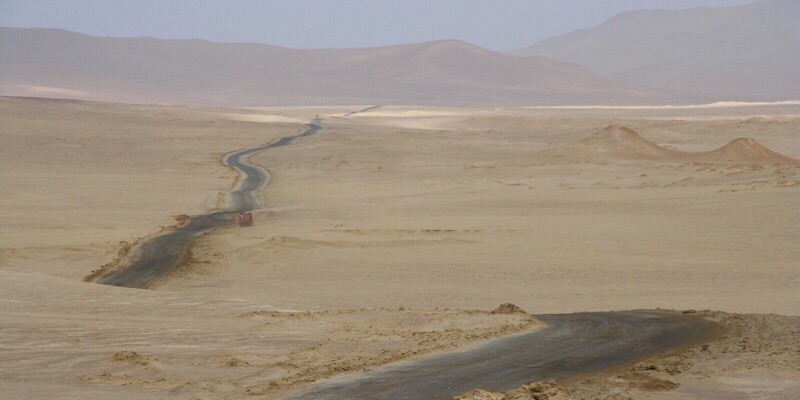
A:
(745, 49)
(61, 63)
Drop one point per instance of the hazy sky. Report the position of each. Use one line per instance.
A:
(495, 24)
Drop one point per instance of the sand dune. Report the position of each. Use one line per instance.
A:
(622, 143)
(614, 143)
(746, 150)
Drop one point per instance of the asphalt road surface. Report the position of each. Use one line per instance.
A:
(158, 255)
(571, 345)
(256, 178)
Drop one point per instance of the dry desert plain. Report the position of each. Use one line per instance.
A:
(390, 225)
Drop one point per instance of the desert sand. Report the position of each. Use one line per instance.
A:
(549, 209)
(79, 178)
(391, 223)
(72, 340)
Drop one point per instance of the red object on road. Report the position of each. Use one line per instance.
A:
(245, 219)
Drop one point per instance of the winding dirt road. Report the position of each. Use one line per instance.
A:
(571, 345)
(158, 255)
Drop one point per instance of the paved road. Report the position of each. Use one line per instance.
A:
(255, 178)
(572, 344)
(362, 111)
(158, 255)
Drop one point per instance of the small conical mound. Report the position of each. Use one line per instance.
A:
(746, 150)
(614, 143)
(617, 134)
(619, 143)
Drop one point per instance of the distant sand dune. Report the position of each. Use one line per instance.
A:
(746, 150)
(622, 143)
(614, 143)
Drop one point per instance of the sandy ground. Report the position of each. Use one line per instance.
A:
(367, 213)
(438, 211)
(71, 340)
(79, 178)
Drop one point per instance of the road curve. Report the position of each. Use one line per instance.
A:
(158, 255)
(571, 345)
(255, 178)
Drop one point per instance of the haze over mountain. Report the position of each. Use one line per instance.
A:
(58, 63)
(749, 52)
(752, 49)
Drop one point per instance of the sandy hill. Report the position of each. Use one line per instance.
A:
(753, 48)
(619, 143)
(746, 151)
(613, 143)
(58, 63)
